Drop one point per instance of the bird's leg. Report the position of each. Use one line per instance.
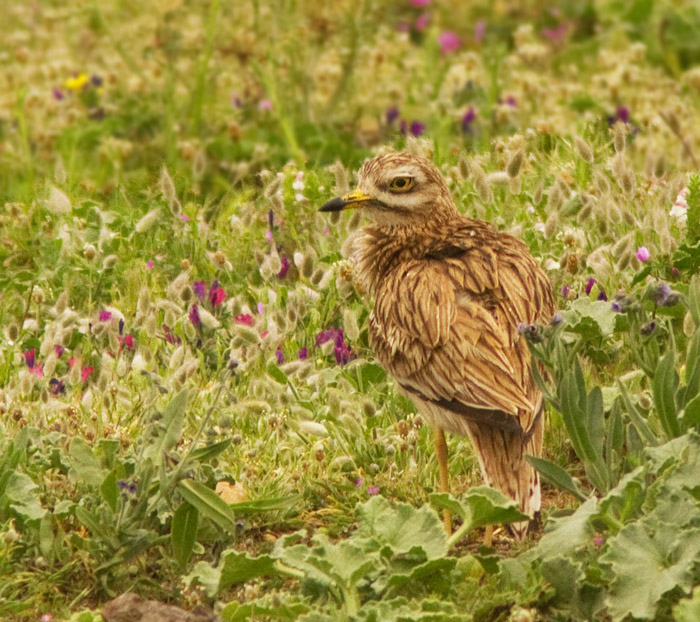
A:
(441, 451)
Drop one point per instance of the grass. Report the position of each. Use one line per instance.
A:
(198, 148)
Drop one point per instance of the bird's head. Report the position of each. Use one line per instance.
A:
(398, 189)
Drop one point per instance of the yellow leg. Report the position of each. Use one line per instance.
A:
(441, 451)
(488, 535)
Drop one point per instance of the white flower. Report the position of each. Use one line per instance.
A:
(679, 211)
(551, 264)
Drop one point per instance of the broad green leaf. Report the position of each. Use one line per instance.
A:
(46, 536)
(554, 474)
(648, 559)
(638, 420)
(206, 575)
(664, 389)
(261, 505)
(238, 567)
(270, 607)
(84, 463)
(183, 532)
(402, 610)
(209, 504)
(569, 533)
(275, 371)
(23, 497)
(110, 491)
(489, 506)
(691, 414)
(590, 318)
(567, 578)
(694, 297)
(433, 574)
(173, 419)
(402, 527)
(688, 609)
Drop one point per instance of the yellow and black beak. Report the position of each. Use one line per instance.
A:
(353, 199)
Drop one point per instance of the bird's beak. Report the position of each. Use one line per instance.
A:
(353, 199)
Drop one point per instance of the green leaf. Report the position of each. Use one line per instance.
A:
(489, 506)
(569, 533)
(664, 389)
(84, 463)
(688, 609)
(694, 297)
(202, 454)
(270, 607)
(638, 420)
(173, 419)
(22, 494)
(110, 491)
(402, 527)
(691, 414)
(183, 532)
(590, 318)
(209, 504)
(261, 505)
(275, 371)
(648, 559)
(432, 574)
(554, 474)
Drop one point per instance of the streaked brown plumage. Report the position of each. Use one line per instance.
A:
(449, 295)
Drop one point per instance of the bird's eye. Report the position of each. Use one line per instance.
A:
(401, 184)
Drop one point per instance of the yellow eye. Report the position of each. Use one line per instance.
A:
(401, 184)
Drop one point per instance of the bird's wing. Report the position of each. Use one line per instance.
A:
(440, 341)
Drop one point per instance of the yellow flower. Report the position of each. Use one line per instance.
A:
(77, 83)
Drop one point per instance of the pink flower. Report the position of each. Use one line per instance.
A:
(200, 289)
(105, 316)
(184, 217)
(149, 265)
(85, 372)
(194, 316)
(422, 22)
(284, 267)
(37, 370)
(303, 354)
(261, 308)
(216, 294)
(643, 254)
(358, 483)
(129, 342)
(373, 490)
(265, 104)
(419, 3)
(246, 319)
(280, 356)
(479, 31)
(448, 41)
(59, 350)
(30, 357)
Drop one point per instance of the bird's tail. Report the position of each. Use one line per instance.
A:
(501, 456)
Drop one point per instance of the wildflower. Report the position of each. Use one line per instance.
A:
(679, 211)
(598, 541)
(648, 329)
(422, 22)
(121, 326)
(194, 316)
(265, 104)
(105, 316)
(37, 370)
(358, 483)
(589, 285)
(303, 354)
(244, 319)
(56, 387)
(325, 336)
(663, 296)
(149, 264)
(96, 81)
(46, 617)
(236, 100)
(511, 101)
(77, 83)
(270, 219)
(59, 350)
(448, 42)
(127, 487)
(556, 319)
(169, 336)
(129, 342)
(279, 355)
(373, 490)
(643, 254)
(621, 114)
(261, 308)
(200, 289)
(417, 128)
(468, 119)
(57, 93)
(392, 114)
(479, 31)
(555, 35)
(530, 332)
(30, 357)
(284, 262)
(216, 294)
(86, 371)
(184, 217)
(420, 3)
(602, 295)
(342, 352)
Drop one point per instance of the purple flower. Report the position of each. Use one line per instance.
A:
(216, 294)
(565, 291)
(417, 128)
(96, 81)
(598, 541)
(149, 265)
(556, 35)
(556, 319)
(468, 119)
(235, 100)
(279, 355)
(643, 254)
(589, 286)
(200, 289)
(194, 316)
(59, 350)
(373, 490)
(342, 352)
(261, 308)
(303, 354)
(602, 295)
(56, 387)
(392, 114)
(284, 267)
(121, 327)
(617, 306)
(663, 296)
(127, 487)
(30, 357)
(448, 42)
(105, 316)
(57, 93)
(270, 219)
(511, 101)
(479, 31)
(422, 22)
(622, 113)
(265, 104)
(325, 335)
(269, 237)
(648, 329)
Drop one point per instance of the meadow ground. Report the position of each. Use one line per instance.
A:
(189, 408)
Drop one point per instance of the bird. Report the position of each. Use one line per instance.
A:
(450, 294)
